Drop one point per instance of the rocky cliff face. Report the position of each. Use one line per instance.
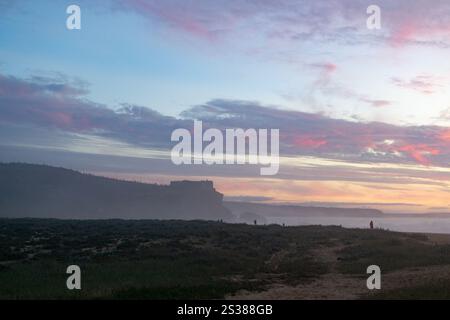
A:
(48, 192)
(197, 199)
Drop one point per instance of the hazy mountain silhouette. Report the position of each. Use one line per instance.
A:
(28, 190)
(273, 210)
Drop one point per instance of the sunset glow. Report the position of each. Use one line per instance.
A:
(363, 114)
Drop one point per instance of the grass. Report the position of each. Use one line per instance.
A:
(147, 259)
(193, 260)
(393, 253)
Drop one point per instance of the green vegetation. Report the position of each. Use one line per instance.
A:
(145, 259)
(149, 259)
(393, 252)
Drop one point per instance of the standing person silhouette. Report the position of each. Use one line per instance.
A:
(371, 224)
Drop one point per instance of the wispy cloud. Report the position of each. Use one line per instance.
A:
(62, 105)
(404, 22)
(58, 103)
(425, 84)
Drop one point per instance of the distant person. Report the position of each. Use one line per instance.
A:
(255, 222)
(371, 224)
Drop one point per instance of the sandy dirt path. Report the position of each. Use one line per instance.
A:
(336, 285)
(333, 285)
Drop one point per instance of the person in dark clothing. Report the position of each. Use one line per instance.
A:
(371, 224)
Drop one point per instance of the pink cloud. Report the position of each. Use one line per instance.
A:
(195, 18)
(290, 21)
(377, 102)
(425, 84)
(53, 105)
(420, 152)
(403, 33)
(421, 26)
(326, 67)
(307, 141)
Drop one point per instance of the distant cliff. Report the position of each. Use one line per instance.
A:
(47, 192)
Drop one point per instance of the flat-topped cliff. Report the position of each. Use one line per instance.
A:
(48, 192)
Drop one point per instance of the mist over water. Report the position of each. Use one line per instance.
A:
(405, 224)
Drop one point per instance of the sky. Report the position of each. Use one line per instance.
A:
(363, 113)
